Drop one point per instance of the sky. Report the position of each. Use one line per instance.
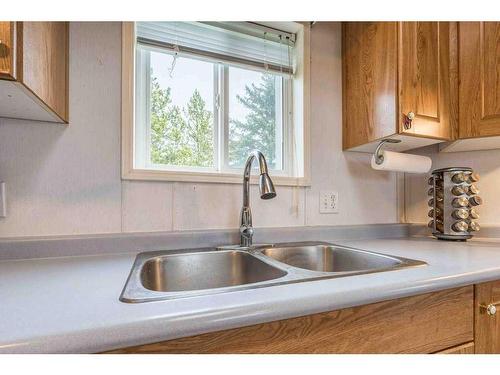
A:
(191, 74)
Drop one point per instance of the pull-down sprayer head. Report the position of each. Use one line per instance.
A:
(266, 187)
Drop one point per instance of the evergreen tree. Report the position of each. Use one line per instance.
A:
(199, 131)
(258, 131)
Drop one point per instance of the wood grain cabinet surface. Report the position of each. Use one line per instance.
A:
(467, 348)
(397, 71)
(34, 66)
(479, 87)
(479, 79)
(7, 50)
(426, 323)
(428, 78)
(487, 326)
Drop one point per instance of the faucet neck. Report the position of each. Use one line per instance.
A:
(246, 229)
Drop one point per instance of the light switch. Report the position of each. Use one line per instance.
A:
(3, 200)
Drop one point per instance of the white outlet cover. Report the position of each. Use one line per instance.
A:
(328, 202)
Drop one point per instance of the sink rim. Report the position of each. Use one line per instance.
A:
(134, 292)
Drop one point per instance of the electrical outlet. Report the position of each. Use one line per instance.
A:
(328, 202)
(3, 203)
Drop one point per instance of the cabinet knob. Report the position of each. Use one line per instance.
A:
(408, 119)
(491, 309)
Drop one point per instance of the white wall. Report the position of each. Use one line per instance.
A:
(486, 163)
(66, 180)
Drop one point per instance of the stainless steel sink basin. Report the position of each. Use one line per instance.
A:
(171, 274)
(328, 258)
(205, 270)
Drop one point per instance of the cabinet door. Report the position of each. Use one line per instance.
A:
(428, 79)
(6, 50)
(486, 326)
(44, 63)
(369, 63)
(479, 79)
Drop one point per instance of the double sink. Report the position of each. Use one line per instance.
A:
(162, 275)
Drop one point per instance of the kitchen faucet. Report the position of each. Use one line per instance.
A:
(267, 191)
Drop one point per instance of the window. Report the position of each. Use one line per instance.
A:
(206, 95)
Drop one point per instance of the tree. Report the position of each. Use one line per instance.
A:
(200, 131)
(258, 130)
(180, 136)
(184, 136)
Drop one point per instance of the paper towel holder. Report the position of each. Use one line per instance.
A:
(379, 158)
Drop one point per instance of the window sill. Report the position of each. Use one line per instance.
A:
(220, 178)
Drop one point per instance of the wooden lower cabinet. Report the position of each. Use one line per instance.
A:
(426, 323)
(487, 326)
(467, 348)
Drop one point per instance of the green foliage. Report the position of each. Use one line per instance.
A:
(184, 136)
(180, 136)
(258, 131)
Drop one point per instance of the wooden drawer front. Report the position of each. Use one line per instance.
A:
(6, 50)
(421, 324)
(487, 327)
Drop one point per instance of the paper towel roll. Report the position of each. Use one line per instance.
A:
(398, 162)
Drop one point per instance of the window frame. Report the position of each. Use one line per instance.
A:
(221, 172)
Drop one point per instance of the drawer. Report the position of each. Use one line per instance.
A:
(425, 323)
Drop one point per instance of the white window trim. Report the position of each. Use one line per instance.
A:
(301, 104)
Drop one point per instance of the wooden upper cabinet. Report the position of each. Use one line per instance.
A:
(44, 65)
(428, 78)
(34, 66)
(369, 60)
(479, 98)
(6, 50)
(393, 70)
